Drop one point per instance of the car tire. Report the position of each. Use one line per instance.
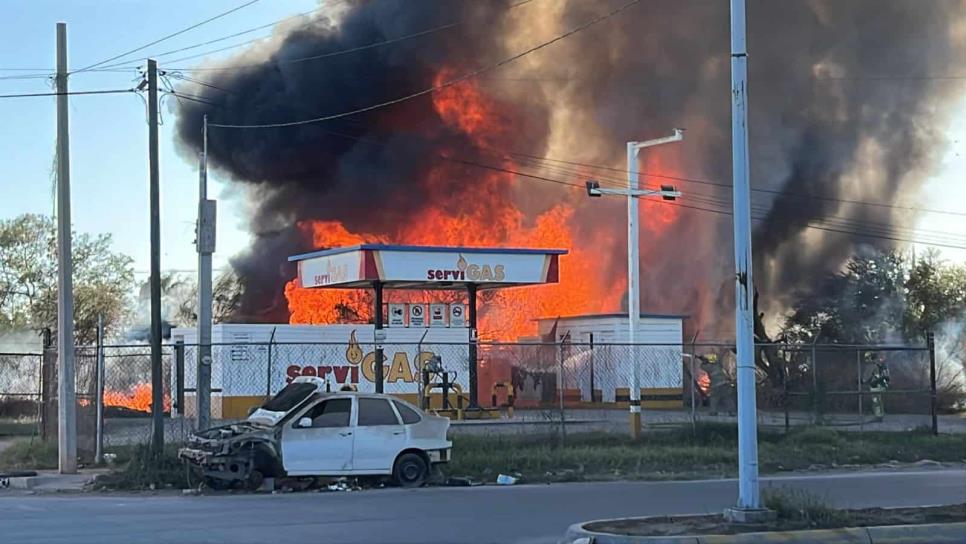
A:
(410, 470)
(254, 480)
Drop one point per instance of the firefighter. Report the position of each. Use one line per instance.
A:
(878, 383)
(720, 387)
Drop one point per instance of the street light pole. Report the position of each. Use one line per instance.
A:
(633, 192)
(748, 508)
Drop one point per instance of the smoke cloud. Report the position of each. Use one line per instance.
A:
(839, 110)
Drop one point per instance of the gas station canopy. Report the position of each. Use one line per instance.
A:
(426, 267)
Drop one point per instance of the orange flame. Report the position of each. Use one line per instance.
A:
(137, 398)
(484, 214)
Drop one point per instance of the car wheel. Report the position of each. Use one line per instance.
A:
(255, 479)
(410, 470)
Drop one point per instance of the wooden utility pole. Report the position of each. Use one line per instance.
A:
(157, 385)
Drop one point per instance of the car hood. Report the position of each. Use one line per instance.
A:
(265, 417)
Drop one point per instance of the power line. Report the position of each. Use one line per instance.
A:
(314, 57)
(844, 226)
(441, 86)
(71, 93)
(725, 200)
(168, 37)
(177, 75)
(728, 186)
(235, 35)
(320, 56)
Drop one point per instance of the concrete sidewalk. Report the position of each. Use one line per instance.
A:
(52, 481)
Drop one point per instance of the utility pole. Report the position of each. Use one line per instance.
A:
(157, 385)
(66, 401)
(748, 508)
(633, 192)
(205, 243)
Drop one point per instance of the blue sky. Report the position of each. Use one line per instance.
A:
(109, 169)
(109, 133)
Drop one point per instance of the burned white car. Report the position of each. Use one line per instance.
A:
(306, 431)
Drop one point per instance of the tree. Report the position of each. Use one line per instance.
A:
(182, 294)
(883, 298)
(28, 278)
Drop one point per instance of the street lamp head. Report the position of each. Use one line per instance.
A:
(668, 192)
(593, 188)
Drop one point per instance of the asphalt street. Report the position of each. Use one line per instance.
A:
(520, 514)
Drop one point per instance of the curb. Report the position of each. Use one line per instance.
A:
(48, 482)
(894, 534)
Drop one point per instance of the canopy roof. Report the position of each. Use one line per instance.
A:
(427, 267)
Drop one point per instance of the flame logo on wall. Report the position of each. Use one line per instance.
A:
(353, 353)
(461, 263)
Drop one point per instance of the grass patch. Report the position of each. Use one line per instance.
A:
(142, 469)
(29, 454)
(796, 505)
(709, 451)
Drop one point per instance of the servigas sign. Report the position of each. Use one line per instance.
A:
(503, 268)
(464, 271)
(331, 270)
(402, 367)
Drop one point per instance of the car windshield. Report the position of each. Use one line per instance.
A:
(289, 397)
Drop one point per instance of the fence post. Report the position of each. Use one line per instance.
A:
(560, 390)
(858, 382)
(268, 376)
(694, 384)
(815, 395)
(785, 390)
(179, 372)
(99, 392)
(931, 344)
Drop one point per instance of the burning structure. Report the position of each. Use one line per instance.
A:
(843, 110)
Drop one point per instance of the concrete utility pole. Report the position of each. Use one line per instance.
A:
(633, 192)
(157, 385)
(99, 401)
(749, 502)
(66, 401)
(205, 243)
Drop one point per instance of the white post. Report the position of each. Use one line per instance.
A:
(66, 403)
(633, 287)
(748, 492)
(205, 243)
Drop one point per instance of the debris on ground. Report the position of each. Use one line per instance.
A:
(460, 481)
(506, 479)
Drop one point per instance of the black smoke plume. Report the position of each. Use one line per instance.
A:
(839, 110)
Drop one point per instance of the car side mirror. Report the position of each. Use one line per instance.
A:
(305, 422)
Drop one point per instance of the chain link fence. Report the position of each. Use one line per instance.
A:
(520, 387)
(20, 393)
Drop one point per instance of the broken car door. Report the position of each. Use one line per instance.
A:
(320, 440)
(379, 436)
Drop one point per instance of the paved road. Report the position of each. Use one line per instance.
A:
(526, 514)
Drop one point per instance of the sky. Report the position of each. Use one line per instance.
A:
(109, 168)
(109, 133)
